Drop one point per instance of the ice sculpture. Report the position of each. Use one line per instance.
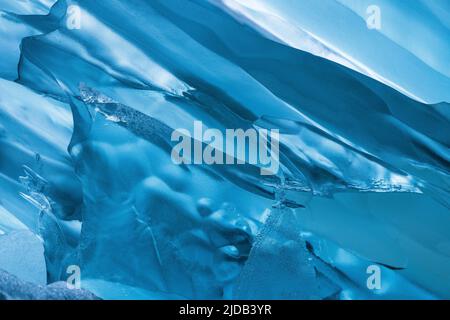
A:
(91, 91)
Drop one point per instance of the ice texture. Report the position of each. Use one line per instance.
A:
(22, 254)
(13, 288)
(86, 114)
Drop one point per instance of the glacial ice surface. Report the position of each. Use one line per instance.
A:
(86, 116)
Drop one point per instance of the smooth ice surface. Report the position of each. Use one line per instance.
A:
(87, 108)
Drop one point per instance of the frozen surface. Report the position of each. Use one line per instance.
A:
(13, 288)
(22, 254)
(86, 114)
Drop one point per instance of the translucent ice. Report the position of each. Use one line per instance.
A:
(89, 98)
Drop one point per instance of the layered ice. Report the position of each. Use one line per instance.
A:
(87, 108)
